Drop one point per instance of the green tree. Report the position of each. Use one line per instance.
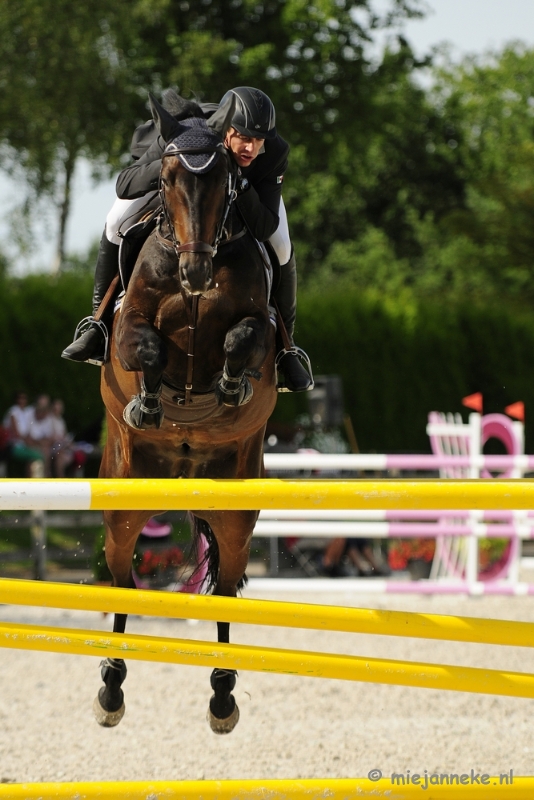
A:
(491, 99)
(369, 151)
(387, 172)
(66, 92)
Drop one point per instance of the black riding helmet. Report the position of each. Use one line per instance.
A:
(254, 115)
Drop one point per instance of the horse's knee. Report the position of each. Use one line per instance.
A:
(140, 348)
(242, 341)
(152, 352)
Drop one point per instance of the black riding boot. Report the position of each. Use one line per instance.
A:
(295, 377)
(91, 344)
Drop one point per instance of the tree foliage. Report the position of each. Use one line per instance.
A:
(491, 99)
(390, 185)
(65, 92)
(75, 76)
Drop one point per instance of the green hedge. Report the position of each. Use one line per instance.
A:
(38, 315)
(398, 358)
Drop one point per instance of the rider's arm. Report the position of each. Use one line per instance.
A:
(259, 207)
(143, 175)
(260, 204)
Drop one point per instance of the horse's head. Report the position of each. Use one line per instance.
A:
(197, 180)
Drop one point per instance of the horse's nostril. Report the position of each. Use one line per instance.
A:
(196, 274)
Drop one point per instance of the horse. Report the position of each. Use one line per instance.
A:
(190, 381)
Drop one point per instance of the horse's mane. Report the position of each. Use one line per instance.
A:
(179, 107)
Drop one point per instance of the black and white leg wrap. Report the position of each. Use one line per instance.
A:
(236, 390)
(144, 410)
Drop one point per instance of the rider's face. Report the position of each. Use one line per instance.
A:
(243, 148)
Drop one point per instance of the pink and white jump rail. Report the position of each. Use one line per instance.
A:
(457, 453)
(277, 462)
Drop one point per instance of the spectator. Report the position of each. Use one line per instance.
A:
(358, 551)
(63, 451)
(40, 434)
(18, 418)
(17, 424)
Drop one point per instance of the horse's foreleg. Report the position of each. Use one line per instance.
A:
(140, 348)
(245, 350)
(233, 531)
(122, 529)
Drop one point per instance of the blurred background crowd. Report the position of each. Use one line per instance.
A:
(34, 440)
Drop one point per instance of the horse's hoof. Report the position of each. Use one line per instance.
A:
(222, 726)
(108, 719)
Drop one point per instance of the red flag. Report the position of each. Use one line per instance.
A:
(473, 401)
(516, 410)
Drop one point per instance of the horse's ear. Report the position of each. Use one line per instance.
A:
(221, 119)
(165, 122)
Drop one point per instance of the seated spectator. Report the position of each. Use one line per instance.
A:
(17, 423)
(63, 451)
(40, 434)
(4, 451)
(18, 417)
(358, 551)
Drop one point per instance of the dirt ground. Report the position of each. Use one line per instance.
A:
(290, 727)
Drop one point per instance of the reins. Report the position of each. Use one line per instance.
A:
(191, 350)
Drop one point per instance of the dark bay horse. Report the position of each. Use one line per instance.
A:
(190, 382)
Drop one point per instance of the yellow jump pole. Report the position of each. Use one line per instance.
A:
(333, 789)
(262, 659)
(270, 493)
(266, 612)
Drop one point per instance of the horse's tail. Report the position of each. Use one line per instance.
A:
(205, 554)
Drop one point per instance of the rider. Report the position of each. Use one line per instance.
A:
(261, 155)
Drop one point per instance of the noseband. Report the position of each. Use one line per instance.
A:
(231, 194)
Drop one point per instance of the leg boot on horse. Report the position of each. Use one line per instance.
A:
(228, 535)
(244, 344)
(91, 345)
(144, 351)
(109, 706)
(294, 376)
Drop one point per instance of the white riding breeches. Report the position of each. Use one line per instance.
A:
(280, 240)
(125, 213)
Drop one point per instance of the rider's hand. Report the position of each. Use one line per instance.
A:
(242, 184)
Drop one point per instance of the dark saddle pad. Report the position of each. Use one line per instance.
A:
(132, 242)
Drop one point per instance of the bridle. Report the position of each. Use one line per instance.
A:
(197, 247)
(231, 194)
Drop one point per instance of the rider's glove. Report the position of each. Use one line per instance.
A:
(242, 183)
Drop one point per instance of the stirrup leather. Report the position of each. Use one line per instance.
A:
(303, 358)
(84, 326)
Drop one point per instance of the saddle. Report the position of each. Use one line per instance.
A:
(132, 241)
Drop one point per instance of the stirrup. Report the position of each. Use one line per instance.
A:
(84, 326)
(303, 358)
